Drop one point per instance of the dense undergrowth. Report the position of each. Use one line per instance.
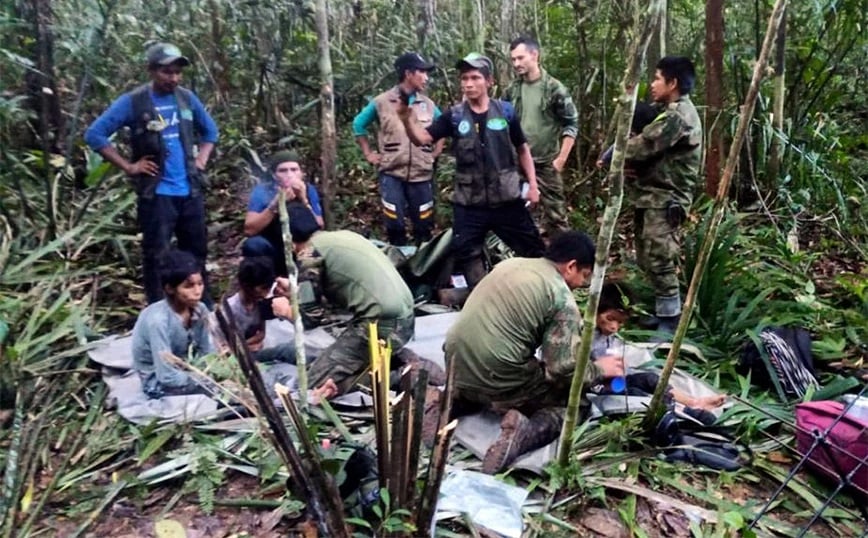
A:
(791, 252)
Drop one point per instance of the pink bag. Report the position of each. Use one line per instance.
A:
(845, 447)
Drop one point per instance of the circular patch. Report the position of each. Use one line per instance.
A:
(464, 127)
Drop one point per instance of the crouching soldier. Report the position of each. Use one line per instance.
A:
(522, 305)
(352, 274)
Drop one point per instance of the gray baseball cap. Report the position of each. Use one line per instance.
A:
(474, 60)
(165, 54)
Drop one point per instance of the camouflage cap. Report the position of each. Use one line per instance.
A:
(284, 156)
(165, 54)
(474, 60)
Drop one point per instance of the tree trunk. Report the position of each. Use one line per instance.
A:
(44, 101)
(713, 92)
(624, 113)
(507, 33)
(718, 212)
(425, 26)
(329, 147)
(774, 162)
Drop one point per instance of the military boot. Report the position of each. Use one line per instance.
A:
(519, 435)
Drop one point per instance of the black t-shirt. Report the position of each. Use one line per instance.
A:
(442, 127)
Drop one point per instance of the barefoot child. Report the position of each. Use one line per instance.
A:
(177, 325)
(612, 313)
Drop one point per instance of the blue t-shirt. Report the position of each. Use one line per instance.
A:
(263, 193)
(173, 179)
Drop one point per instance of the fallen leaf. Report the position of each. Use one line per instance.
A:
(169, 528)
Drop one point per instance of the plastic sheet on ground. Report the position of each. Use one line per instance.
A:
(486, 501)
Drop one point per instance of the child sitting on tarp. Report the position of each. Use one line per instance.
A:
(176, 325)
(612, 313)
(251, 307)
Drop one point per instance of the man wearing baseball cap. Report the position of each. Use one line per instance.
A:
(405, 170)
(171, 139)
(489, 148)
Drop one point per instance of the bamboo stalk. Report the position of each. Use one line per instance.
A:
(718, 212)
(298, 326)
(624, 113)
(414, 436)
(436, 468)
(327, 510)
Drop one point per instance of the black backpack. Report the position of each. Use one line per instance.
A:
(780, 358)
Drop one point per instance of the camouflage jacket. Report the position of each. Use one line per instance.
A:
(557, 106)
(669, 153)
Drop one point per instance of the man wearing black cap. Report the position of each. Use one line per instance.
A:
(261, 223)
(489, 148)
(351, 274)
(405, 170)
(165, 122)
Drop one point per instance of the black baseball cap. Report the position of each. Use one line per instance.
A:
(412, 61)
(474, 60)
(165, 54)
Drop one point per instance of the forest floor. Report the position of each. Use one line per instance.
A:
(133, 513)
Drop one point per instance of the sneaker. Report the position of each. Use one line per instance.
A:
(514, 436)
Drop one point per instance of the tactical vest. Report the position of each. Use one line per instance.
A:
(146, 142)
(485, 170)
(399, 156)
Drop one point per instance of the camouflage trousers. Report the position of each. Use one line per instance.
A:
(551, 213)
(657, 251)
(348, 357)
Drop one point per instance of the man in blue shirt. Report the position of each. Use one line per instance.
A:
(166, 166)
(261, 223)
(405, 170)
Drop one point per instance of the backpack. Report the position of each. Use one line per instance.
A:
(841, 441)
(780, 358)
(696, 439)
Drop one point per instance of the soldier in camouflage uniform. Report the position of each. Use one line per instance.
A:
(352, 274)
(667, 154)
(550, 122)
(522, 305)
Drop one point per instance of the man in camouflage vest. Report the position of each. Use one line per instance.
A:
(667, 154)
(490, 148)
(523, 305)
(405, 170)
(550, 122)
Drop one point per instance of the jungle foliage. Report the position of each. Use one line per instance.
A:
(792, 250)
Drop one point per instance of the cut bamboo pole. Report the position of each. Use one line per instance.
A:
(718, 212)
(298, 326)
(326, 510)
(624, 113)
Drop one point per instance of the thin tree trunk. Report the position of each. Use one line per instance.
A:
(507, 32)
(774, 163)
(426, 27)
(624, 113)
(718, 211)
(329, 148)
(713, 92)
